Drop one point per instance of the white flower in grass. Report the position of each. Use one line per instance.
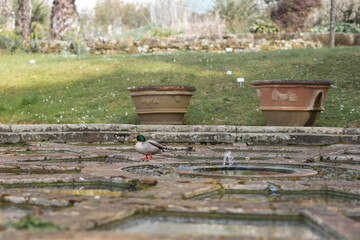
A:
(32, 61)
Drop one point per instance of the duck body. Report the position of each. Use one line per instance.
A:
(148, 147)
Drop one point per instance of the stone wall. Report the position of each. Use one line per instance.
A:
(231, 43)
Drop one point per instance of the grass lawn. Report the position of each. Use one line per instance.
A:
(93, 89)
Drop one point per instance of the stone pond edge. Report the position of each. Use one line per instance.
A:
(192, 134)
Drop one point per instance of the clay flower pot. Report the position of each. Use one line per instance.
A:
(161, 104)
(291, 102)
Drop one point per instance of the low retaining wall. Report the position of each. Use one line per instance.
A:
(122, 133)
(231, 43)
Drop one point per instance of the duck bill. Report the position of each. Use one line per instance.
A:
(134, 140)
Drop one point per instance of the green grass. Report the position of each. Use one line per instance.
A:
(93, 88)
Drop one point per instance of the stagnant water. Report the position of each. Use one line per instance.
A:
(243, 171)
(200, 226)
(174, 169)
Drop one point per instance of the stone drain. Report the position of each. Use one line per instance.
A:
(278, 192)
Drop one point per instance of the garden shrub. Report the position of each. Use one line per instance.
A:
(339, 27)
(9, 41)
(79, 47)
(238, 15)
(290, 15)
(345, 11)
(264, 27)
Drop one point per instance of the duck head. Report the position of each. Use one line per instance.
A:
(139, 138)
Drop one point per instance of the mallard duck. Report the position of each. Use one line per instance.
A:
(148, 147)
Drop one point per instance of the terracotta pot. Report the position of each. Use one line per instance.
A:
(161, 104)
(291, 102)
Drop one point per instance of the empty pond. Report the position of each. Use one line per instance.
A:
(218, 226)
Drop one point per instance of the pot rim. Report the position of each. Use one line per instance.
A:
(293, 82)
(162, 88)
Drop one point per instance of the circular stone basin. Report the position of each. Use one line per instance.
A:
(253, 172)
(216, 170)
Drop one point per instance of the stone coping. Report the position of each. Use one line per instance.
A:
(18, 128)
(86, 133)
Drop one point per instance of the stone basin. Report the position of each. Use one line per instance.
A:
(216, 170)
(217, 225)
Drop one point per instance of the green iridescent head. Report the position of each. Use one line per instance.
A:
(140, 138)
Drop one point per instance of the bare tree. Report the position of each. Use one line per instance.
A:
(332, 24)
(8, 14)
(25, 17)
(63, 17)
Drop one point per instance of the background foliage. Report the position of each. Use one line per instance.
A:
(117, 18)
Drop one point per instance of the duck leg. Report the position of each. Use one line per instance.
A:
(146, 158)
(149, 158)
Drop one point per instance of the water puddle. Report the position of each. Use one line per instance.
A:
(226, 226)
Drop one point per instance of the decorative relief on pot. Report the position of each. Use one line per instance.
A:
(258, 92)
(277, 96)
(178, 99)
(149, 100)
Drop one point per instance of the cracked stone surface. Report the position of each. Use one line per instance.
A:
(86, 186)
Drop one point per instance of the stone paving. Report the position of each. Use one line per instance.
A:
(89, 184)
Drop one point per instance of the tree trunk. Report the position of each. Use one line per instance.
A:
(152, 10)
(25, 17)
(332, 24)
(63, 16)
